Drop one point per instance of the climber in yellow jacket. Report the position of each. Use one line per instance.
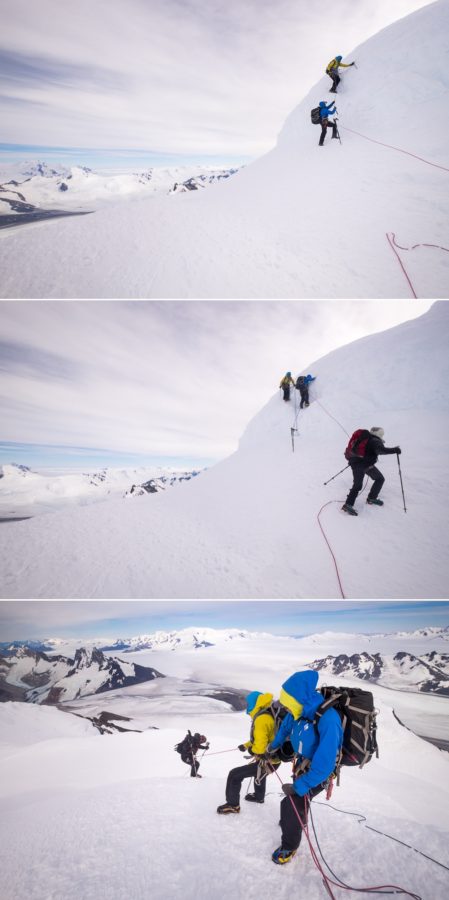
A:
(332, 70)
(263, 730)
(286, 381)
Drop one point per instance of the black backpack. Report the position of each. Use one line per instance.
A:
(315, 115)
(358, 718)
(185, 745)
(300, 382)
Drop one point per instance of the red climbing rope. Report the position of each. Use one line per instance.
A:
(328, 544)
(393, 247)
(327, 881)
(399, 149)
(391, 237)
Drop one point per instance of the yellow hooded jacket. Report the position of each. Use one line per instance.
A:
(263, 728)
(286, 380)
(334, 64)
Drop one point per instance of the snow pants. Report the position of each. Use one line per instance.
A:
(290, 824)
(286, 389)
(304, 397)
(325, 124)
(234, 783)
(335, 81)
(190, 760)
(359, 470)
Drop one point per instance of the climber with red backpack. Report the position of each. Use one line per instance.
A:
(362, 451)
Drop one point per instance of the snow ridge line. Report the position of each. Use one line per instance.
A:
(329, 546)
(399, 149)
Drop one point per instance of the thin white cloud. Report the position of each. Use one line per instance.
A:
(215, 77)
(169, 378)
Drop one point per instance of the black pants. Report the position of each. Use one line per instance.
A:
(304, 397)
(286, 389)
(235, 778)
(325, 124)
(359, 471)
(335, 81)
(192, 762)
(291, 827)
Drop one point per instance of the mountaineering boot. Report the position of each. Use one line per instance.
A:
(373, 501)
(226, 808)
(349, 509)
(280, 856)
(253, 799)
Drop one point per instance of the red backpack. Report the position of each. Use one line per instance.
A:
(357, 444)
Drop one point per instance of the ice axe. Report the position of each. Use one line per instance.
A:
(400, 478)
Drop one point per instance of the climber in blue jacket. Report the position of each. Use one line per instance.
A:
(302, 385)
(317, 748)
(326, 110)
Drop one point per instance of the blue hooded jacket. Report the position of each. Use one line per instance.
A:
(326, 110)
(320, 744)
(309, 378)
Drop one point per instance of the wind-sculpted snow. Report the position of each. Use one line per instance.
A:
(302, 222)
(248, 526)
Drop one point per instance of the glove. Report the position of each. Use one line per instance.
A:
(242, 748)
(398, 450)
(352, 64)
(288, 789)
(206, 746)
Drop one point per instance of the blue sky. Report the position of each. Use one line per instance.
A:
(170, 383)
(39, 619)
(194, 79)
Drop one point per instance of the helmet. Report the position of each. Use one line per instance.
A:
(322, 103)
(309, 376)
(339, 58)
(289, 374)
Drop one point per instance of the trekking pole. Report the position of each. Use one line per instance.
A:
(400, 477)
(293, 431)
(338, 133)
(335, 476)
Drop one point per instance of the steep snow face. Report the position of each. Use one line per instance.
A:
(250, 526)
(304, 221)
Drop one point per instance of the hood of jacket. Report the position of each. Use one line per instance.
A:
(302, 687)
(260, 702)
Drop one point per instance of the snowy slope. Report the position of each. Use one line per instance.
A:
(144, 828)
(302, 221)
(249, 526)
(24, 492)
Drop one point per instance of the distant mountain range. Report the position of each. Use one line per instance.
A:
(28, 187)
(30, 675)
(187, 638)
(428, 673)
(27, 493)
